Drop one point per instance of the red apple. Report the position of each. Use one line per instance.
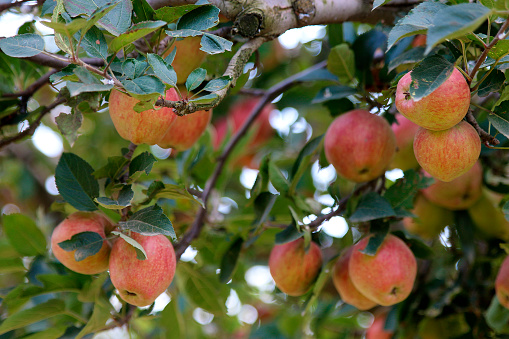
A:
(188, 57)
(377, 328)
(447, 154)
(441, 109)
(388, 277)
(140, 282)
(404, 131)
(293, 269)
(458, 194)
(360, 145)
(502, 283)
(185, 130)
(147, 127)
(79, 222)
(347, 291)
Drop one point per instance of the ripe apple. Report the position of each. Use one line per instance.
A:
(188, 57)
(502, 283)
(387, 277)
(404, 131)
(488, 217)
(431, 219)
(458, 194)
(360, 145)
(447, 154)
(140, 282)
(347, 291)
(377, 328)
(185, 130)
(419, 40)
(147, 127)
(441, 109)
(79, 222)
(293, 269)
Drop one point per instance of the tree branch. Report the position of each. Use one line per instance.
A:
(32, 88)
(486, 138)
(61, 62)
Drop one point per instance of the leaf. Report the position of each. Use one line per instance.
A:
(112, 169)
(171, 14)
(277, 179)
(466, 229)
(137, 31)
(429, 75)
(217, 84)
(94, 43)
(162, 70)
(306, 152)
(290, 233)
(85, 244)
(372, 206)
(142, 163)
(401, 194)
(262, 206)
(378, 3)
(143, 11)
(333, 93)
(171, 319)
(23, 234)
(214, 44)
(201, 18)
(67, 29)
(144, 87)
(69, 124)
(50, 333)
(375, 241)
(75, 183)
(11, 265)
(195, 79)
(32, 315)
(500, 49)
(140, 251)
(341, 62)
(206, 99)
(497, 316)
(125, 196)
(23, 45)
(409, 57)
(168, 191)
(100, 316)
(500, 123)
(229, 260)
(492, 83)
(76, 88)
(149, 221)
(456, 21)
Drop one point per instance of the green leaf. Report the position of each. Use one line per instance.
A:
(162, 70)
(142, 163)
(11, 265)
(290, 233)
(262, 206)
(168, 191)
(149, 221)
(500, 123)
(201, 18)
(306, 152)
(24, 235)
(229, 260)
(492, 83)
(497, 316)
(69, 124)
(23, 45)
(195, 79)
(144, 87)
(333, 93)
(214, 44)
(171, 319)
(341, 62)
(94, 43)
(100, 316)
(375, 241)
(112, 169)
(32, 315)
(50, 333)
(125, 196)
(409, 57)
(140, 251)
(143, 11)
(372, 206)
(97, 15)
(456, 21)
(378, 3)
(76, 88)
(75, 183)
(402, 193)
(500, 49)
(136, 32)
(466, 229)
(209, 98)
(429, 75)
(277, 179)
(217, 84)
(171, 14)
(85, 244)
(418, 247)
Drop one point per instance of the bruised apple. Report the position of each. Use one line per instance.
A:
(79, 222)
(140, 282)
(360, 145)
(294, 269)
(404, 131)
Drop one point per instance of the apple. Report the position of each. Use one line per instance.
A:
(447, 154)
(147, 127)
(458, 194)
(488, 217)
(79, 222)
(377, 328)
(387, 277)
(431, 219)
(404, 131)
(419, 40)
(441, 109)
(360, 145)
(140, 282)
(347, 291)
(502, 283)
(188, 57)
(185, 130)
(294, 269)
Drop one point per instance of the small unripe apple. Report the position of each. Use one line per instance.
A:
(140, 282)
(404, 131)
(387, 277)
(441, 109)
(293, 269)
(458, 194)
(377, 328)
(347, 291)
(360, 145)
(431, 219)
(488, 217)
(79, 222)
(502, 283)
(188, 57)
(447, 154)
(147, 127)
(185, 130)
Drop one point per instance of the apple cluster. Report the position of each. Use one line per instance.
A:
(139, 282)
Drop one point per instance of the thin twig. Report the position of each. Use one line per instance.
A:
(486, 138)
(30, 90)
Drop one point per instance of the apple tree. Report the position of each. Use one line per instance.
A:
(209, 181)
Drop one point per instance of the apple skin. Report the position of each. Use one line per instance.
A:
(431, 219)
(83, 222)
(347, 291)
(360, 145)
(140, 282)
(502, 283)
(185, 130)
(448, 154)
(488, 217)
(147, 127)
(377, 328)
(188, 57)
(387, 277)
(294, 271)
(404, 131)
(458, 194)
(441, 109)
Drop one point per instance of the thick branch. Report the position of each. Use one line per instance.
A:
(59, 63)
